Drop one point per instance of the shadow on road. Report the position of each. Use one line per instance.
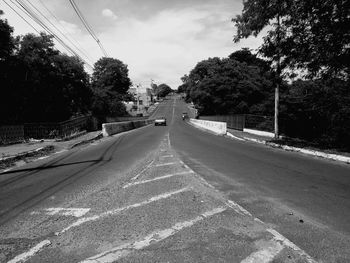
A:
(40, 193)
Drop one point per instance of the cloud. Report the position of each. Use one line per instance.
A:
(169, 44)
(109, 13)
(158, 40)
(70, 28)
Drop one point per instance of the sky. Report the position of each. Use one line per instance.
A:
(159, 40)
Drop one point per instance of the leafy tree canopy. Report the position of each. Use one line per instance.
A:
(41, 84)
(110, 82)
(162, 90)
(311, 34)
(222, 86)
(7, 43)
(111, 74)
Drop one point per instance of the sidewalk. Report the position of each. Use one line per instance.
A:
(331, 155)
(20, 153)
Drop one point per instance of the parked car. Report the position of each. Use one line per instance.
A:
(184, 115)
(160, 121)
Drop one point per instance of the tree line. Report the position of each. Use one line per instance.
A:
(306, 52)
(41, 84)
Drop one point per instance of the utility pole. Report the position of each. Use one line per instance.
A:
(137, 97)
(278, 71)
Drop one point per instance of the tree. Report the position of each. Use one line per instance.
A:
(7, 42)
(111, 74)
(256, 15)
(43, 85)
(110, 84)
(223, 86)
(162, 90)
(305, 35)
(318, 111)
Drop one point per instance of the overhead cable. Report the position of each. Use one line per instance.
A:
(25, 20)
(34, 16)
(83, 51)
(87, 26)
(48, 20)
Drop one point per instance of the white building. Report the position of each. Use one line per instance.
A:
(141, 103)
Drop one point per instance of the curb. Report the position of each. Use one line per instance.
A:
(329, 156)
(71, 137)
(11, 159)
(97, 137)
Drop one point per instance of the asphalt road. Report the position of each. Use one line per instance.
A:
(140, 197)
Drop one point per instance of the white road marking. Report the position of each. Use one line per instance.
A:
(166, 156)
(258, 220)
(286, 242)
(264, 255)
(26, 255)
(164, 164)
(118, 210)
(169, 144)
(64, 150)
(76, 212)
(43, 157)
(239, 209)
(155, 179)
(147, 166)
(157, 236)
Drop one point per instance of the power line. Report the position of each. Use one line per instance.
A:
(82, 50)
(48, 20)
(87, 26)
(24, 8)
(21, 16)
(34, 16)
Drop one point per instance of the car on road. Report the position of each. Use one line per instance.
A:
(160, 121)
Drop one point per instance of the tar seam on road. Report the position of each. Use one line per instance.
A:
(155, 179)
(123, 250)
(144, 169)
(118, 210)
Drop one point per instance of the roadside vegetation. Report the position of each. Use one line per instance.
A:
(41, 84)
(305, 54)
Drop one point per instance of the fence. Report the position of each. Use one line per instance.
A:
(57, 130)
(241, 121)
(11, 134)
(127, 118)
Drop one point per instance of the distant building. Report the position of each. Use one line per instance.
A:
(142, 101)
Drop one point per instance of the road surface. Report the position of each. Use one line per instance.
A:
(175, 194)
